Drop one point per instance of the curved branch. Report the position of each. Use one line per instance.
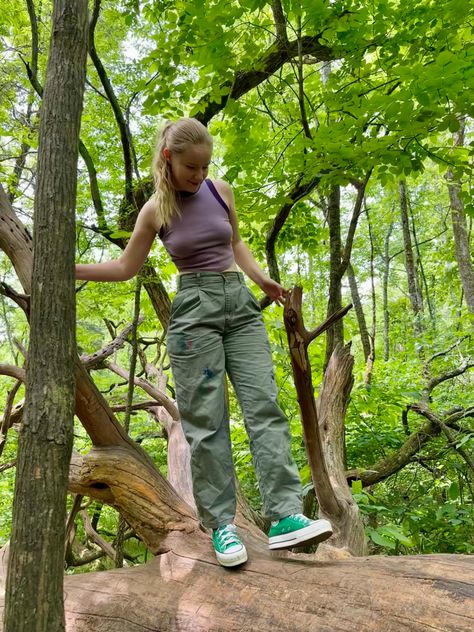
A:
(161, 398)
(440, 354)
(392, 464)
(426, 412)
(353, 223)
(7, 416)
(94, 185)
(95, 360)
(84, 152)
(436, 381)
(299, 191)
(147, 501)
(25, 146)
(22, 300)
(15, 241)
(125, 136)
(13, 371)
(271, 61)
(92, 534)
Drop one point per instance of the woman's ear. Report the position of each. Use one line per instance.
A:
(167, 154)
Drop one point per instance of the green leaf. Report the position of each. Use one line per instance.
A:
(378, 538)
(453, 491)
(396, 533)
(469, 210)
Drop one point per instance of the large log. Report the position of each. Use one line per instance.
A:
(185, 589)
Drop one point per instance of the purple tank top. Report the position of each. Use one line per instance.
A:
(201, 238)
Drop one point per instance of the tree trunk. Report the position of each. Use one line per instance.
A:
(370, 359)
(185, 589)
(335, 334)
(386, 315)
(460, 232)
(34, 589)
(331, 408)
(413, 287)
(323, 426)
(364, 332)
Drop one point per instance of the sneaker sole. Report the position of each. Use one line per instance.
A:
(308, 535)
(233, 559)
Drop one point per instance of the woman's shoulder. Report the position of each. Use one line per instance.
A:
(221, 185)
(225, 191)
(148, 215)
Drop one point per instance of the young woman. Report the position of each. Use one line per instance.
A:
(216, 327)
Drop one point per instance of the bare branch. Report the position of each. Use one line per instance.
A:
(7, 416)
(407, 452)
(435, 381)
(95, 360)
(7, 466)
(446, 351)
(300, 190)
(356, 212)
(13, 371)
(429, 414)
(84, 152)
(161, 398)
(95, 537)
(125, 135)
(22, 300)
(327, 323)
(25, 147)
(271, 60)
(120, 408)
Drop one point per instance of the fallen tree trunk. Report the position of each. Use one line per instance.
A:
(185, 589)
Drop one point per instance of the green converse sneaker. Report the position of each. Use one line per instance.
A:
(229, 549)
(296, 530)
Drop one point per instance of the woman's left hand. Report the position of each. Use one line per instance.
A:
(274, 291)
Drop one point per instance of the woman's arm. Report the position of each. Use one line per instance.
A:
(243, 256)
(132, 258)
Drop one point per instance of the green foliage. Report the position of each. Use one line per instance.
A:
(399, 79)
(419, 514)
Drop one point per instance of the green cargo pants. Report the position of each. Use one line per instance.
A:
(216, 326)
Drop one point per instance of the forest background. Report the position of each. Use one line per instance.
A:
(345, 129)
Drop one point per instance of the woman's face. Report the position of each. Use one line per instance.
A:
(190, 167)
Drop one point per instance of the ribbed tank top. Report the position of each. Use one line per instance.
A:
(201, 238)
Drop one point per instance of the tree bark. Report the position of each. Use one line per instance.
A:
(335, 334)
(34, 589)
(185, 589)
(413, 287)
(460, 233)
(364, 332)
(15, 241)
(331, 408)
(339, 257)
(323, 426)
(386, 315)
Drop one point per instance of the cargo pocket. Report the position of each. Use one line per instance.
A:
(252, 299)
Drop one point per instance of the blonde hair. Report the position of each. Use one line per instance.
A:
(176, 137)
